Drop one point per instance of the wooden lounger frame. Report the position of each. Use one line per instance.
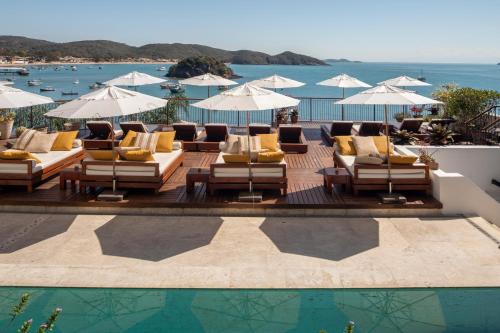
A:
(139, 182)
(32, 179)
(417, 184)
(299, 148)
(241, 183)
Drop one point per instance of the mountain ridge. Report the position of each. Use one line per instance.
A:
(101, 50)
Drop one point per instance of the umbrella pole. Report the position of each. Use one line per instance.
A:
(343, 96)
(388, 149)
(250, 188)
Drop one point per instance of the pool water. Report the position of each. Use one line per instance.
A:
(214, 310)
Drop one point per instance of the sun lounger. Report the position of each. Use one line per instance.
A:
(337, 128)
(292, 139)
(375, 177)
(187, 133)
(212, 136)
(129, 174)
(411, 125)
(27, 173)
(265, 176)
(136, 126)
(255, 129)
(100, 136)
(368, 128)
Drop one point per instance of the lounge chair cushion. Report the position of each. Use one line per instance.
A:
(103, 155)
(235, 158)
(129, 139)
(140, 155)
(374, 160)
(41, 142)
(381, 143)
(18, 155)
(231, 145)
(147, 141)
(402, 159)
(23, 140)
(345, 145)
(64, 140)
(243, 142)
(364, 145)
(274, 170)
(271, 157)
(269, 141)
(47, 159)
(165, 142)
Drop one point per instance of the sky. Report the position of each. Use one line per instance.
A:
(462, 31)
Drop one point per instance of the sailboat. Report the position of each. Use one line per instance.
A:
(421, 77)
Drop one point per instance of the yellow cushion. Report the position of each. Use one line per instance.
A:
(64, 140)
(402, 159)
(128, 139)
(269, 141)
(20, 155)
(235, 158)
(141, 155)
(165, 142)
(381, 144)
(345, 144)
(269, 157)
(103, 155)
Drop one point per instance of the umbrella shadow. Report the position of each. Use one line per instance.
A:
(326, 238)
(155, 238)
(17, 234)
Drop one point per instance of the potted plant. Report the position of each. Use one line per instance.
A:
(440, 135)
(294, 115)
(399, 116)
(282, 116)
(19, 130)
(425, 157)
(6, 123)
(434, 110)
(403, 138)
(417, 112)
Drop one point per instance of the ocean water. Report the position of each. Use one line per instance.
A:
(430, 310)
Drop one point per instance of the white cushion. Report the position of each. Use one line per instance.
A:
(47, 160)
(41, 142)
(273, 170)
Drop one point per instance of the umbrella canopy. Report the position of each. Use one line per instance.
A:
(247, 98)
(344, 81)
(276, 82)
(107, 102)
(134, 79)
(387, 95)
(405, 81)
(11, 98)
(207, 80)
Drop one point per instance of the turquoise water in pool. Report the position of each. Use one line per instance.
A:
(197, 310)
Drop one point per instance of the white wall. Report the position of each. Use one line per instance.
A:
(478, 163)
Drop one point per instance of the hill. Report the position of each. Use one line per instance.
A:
(342, 60)
(194, 66)
(105, 50)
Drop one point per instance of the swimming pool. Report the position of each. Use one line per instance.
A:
(214, 310)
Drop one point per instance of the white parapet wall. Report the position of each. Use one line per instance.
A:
(464, 178)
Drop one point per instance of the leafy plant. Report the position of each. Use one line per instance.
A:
(20, 307)
(399, 116)
(404, 138)
(425, 157)
(6, 115)
(294, 112)
(50, 322)
(20, 130)
(440, 135)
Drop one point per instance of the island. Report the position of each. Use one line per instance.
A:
(343, 60)
(194, 66)
(42, 51)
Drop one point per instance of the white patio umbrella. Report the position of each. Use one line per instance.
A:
(387, 95)
(207, 80)
(276, 82)
(247, 98)
(13, 98)
(344, 81)
(405, 81)
(134, 79)
(107, 102)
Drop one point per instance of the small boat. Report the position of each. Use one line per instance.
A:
(161, 69)
(176, 88)
(100, 67)
(94, 86)
(23, 72)
(35, 82)
(74, 69)
(69, 93)
(221, 88)
(421, 77)
(165, 85)
(76, 82)
(47, 89)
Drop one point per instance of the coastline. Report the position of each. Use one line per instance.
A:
(65, 63)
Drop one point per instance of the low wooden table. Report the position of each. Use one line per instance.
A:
(339, 176)
(72, 174)
(196, 175)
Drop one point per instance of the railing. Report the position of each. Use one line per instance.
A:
(484, 127)
(310, 109)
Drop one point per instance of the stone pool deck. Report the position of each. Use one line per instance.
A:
(247, 252)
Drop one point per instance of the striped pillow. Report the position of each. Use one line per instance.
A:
(25, 138)
(146, 141)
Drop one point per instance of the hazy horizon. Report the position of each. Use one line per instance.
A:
(422, 31)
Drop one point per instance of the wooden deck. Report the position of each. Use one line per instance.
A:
(305, 189)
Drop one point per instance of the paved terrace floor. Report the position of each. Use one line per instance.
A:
(250, 252)
(305, 189)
